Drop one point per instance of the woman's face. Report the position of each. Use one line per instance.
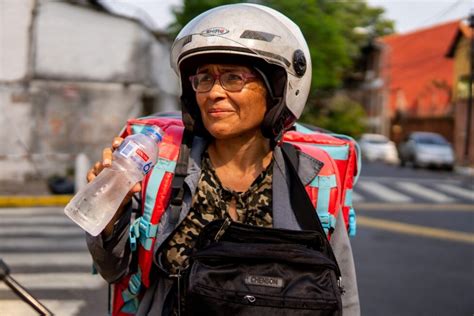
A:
(232, 114)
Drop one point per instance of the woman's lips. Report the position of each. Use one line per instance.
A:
(218, 112)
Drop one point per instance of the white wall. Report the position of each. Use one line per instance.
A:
(89, 71)
(15, 20)
(166, 80)
(77, 42)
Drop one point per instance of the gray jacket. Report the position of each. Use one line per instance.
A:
(111, 257)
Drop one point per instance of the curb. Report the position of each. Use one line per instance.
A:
(34, 200)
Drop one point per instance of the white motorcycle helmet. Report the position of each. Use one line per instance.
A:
(254, 35)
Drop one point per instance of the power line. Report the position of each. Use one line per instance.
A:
(442, 13)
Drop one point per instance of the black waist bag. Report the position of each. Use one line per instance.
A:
(259, 271)
(239, 269)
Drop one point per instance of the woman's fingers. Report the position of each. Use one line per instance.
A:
(94, 171)
(107, 157)
(136, 188)
(116, 142)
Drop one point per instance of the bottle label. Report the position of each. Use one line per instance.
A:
(132, 151)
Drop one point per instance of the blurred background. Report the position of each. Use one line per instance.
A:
(395, 75)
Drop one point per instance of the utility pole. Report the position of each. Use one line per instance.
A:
(469, 89)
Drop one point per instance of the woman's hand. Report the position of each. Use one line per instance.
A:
(106, 162)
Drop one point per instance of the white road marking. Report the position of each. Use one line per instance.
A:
(41, 230)
(31, 210)
(357, 197)
(35, 219)
(464, 193)
(51, 259)
(41, 243)
(59, 308)
(57, 281)
(420, 190)
(382, 192)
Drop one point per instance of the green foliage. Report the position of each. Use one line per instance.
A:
(340, 115)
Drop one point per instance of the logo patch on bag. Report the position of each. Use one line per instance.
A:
(260, 280)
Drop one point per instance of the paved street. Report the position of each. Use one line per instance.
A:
(47, 254)
(413, 249)
(414, 246)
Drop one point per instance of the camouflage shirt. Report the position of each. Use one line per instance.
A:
(210, 202)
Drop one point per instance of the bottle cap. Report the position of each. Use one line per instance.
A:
(154, 131)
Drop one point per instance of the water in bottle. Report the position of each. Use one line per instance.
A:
(94, 205)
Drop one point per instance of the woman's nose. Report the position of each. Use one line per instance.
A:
(216, 90)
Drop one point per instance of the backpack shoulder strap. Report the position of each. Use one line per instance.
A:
(300, 202)
(158, 189)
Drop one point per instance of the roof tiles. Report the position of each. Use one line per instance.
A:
(417, 71)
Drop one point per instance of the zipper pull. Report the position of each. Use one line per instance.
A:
(177, 275)
(223, 228)
(340, 286)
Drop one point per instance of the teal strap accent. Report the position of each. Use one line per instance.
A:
(324, 185)
(130, 295)
(131, 307)
(136, 129)
(358, 153)
(352, 215)
(336, 152)
(303, 129)
(352, 222)
(348, 198)
(142, 230)
(158, 172)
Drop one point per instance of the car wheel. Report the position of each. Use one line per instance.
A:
(402, 163)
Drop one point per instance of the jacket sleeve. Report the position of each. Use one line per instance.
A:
(112, 256)
(341, 247)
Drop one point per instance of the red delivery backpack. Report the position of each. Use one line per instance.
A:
(330, 193)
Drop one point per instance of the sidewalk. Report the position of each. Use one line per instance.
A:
(30, 193)
(467, 171)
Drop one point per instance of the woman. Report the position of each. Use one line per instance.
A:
(245, 74)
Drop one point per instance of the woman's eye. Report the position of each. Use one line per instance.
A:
(206, 78)
(233, 77)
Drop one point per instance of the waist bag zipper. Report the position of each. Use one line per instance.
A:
(178, 275)
(223, 228)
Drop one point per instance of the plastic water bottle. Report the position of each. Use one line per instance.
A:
(95, 205)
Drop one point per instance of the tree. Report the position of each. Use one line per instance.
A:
(340, 115)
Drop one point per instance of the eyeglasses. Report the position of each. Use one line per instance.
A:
(230, 81)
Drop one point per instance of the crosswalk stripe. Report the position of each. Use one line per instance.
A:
(464, 193)
(57, 281)
(382, 192)
(420, 190)
(37, 220)
(58, 308)
(357, 197)
(41, 243)
(41, 230)
(31, 210)
(53, 259)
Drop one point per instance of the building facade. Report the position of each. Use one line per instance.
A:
(461, 52)
(71, 74)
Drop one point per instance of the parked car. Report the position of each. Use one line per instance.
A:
(424, 149)
(378, 147)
